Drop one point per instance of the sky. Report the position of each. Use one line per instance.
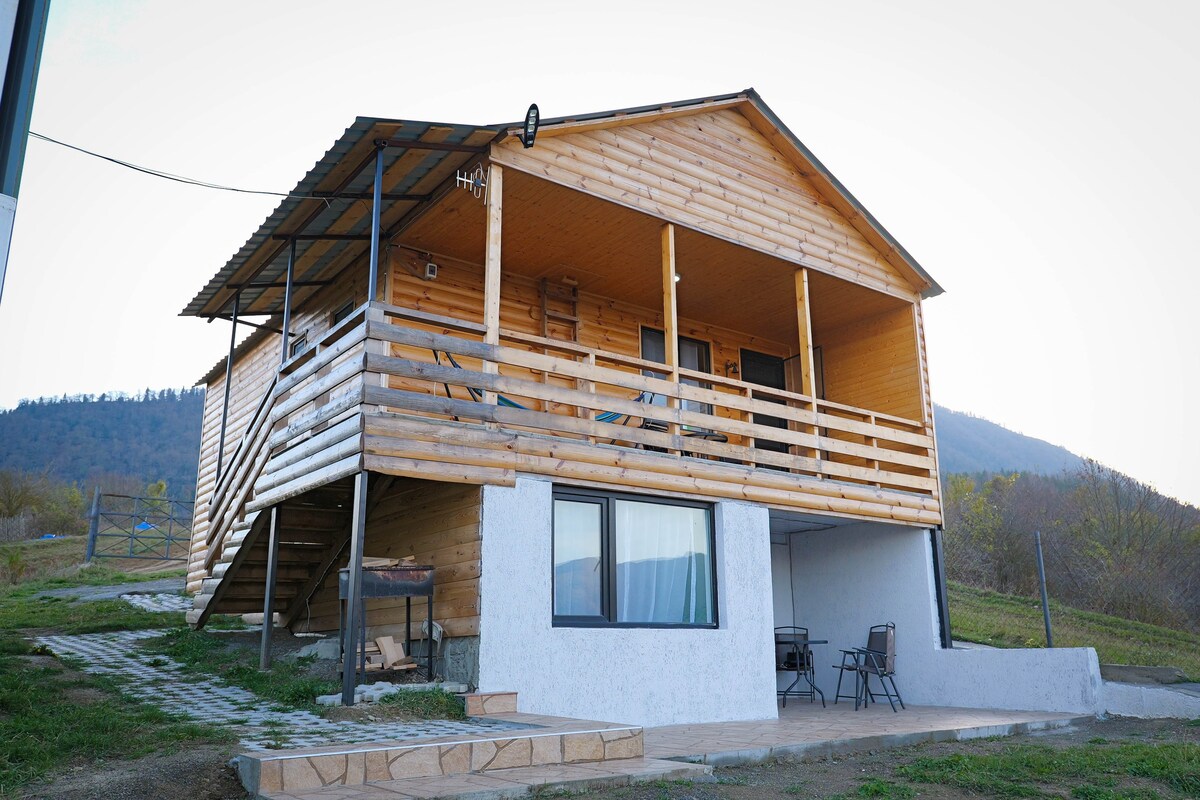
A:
(1038, 159)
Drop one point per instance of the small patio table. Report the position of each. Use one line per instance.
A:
(800, 651)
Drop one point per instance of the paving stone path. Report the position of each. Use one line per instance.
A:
(162, 682)
(158, 601)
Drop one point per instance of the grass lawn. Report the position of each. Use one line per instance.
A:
(1000, 620)
(1098, 770)
(52, 717)
(61, 561)
(286, 683)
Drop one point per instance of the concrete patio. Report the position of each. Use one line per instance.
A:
(806, 730)
(689, 752)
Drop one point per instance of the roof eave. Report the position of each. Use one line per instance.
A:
(931, 289)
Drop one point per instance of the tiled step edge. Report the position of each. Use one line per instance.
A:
(516, 782)
(480, 704)
(357, 764)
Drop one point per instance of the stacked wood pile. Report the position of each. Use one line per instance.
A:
(385, 653)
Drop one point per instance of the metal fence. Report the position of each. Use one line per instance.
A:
(1134, 607)
(153, 528)
(16, 529)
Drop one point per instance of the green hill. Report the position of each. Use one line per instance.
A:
(972, 444)
(111, 440)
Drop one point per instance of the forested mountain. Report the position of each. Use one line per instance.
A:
(120, 442)
(972, 444)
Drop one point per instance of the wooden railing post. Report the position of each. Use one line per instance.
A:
(670, 319)
(807, 367)
(491, 269)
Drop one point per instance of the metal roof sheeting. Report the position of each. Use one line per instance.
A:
(344, 169)
(264, 259)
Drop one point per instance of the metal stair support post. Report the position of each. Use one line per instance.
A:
(268, 623)
(354, 608)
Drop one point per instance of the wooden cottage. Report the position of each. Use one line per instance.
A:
(639, 389)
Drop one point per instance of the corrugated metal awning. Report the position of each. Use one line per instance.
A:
(334, 198)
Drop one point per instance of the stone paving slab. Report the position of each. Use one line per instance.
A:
(259, 725)
(501, 784)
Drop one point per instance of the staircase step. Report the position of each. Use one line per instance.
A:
(555, 780)
(480, 704)
(580, 742)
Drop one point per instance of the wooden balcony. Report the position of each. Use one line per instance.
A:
(409, 393)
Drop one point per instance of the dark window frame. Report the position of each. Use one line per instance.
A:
(297, 345)
(341, 313)
(705, 348)
(608, 572)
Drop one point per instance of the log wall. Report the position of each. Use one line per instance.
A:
(715, 173)
(874, 364)
(436, 523)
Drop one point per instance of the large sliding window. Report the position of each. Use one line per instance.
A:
(625, 560)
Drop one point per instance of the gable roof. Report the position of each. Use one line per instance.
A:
(419, 167)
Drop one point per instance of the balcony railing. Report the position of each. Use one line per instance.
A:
(431, 399)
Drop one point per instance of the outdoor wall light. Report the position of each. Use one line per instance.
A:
(532, 120)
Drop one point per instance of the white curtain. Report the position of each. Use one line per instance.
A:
(664, 567)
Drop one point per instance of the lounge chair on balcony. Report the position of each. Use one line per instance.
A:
(477, 395)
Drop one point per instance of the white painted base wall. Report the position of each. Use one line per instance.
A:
(837, 582)
(1148, 702)
(846, 579)
(640, 676)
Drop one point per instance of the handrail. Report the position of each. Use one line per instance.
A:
(231, 468)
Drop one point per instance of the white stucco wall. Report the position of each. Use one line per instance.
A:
(846, 579)
(1149, 702)
(638, 676)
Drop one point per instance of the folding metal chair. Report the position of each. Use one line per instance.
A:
(878, 658)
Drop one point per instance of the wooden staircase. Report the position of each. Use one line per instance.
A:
(314, 530)
(295, 458)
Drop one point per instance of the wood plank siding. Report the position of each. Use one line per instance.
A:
(436, 523)
(712, 172)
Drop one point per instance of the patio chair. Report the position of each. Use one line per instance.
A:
(878, 658)
(792, 654)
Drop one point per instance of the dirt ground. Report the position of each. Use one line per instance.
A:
(199, 773)
(204, 774)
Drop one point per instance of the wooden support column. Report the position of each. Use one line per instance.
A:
(237, 300)
(287, 303)
(491, 268)
(268, 625)
(354, 606)
(808, 370)
(670, 318)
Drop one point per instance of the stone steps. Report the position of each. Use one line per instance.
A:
(556, 744)
(514, 782)
(480, 704)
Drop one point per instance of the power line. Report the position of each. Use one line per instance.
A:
(157, 173)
